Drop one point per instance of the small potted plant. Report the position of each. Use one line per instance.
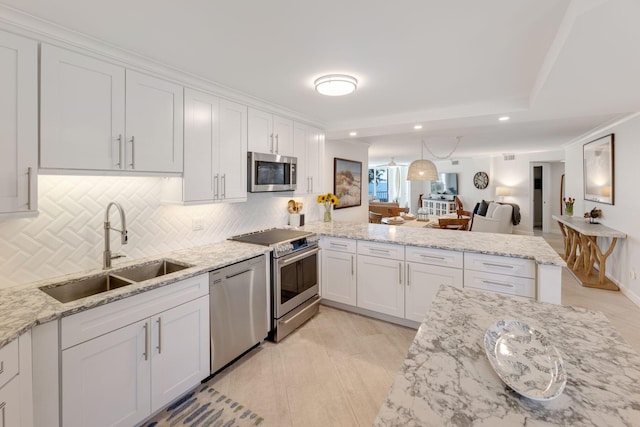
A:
(568, 205)
(328, 200)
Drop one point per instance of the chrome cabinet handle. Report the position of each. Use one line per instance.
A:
(1, 367)
(146, 341)
(400, 272)
(29, 174)
(133, 153)
(408, 274)
(311, 184)
(159, 335)
(384, 251)
(341, 245)
(277, 143)
(216, 188)
(308, 185)
(487, 282)
(352, 265)
(224, 186)
(271, 147)
(432, 257)
(489, 264)
(119, 163)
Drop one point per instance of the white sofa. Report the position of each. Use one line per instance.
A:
(497, 220)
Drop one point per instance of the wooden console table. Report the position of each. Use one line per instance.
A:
(582, 253)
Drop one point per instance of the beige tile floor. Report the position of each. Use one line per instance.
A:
(337, 368)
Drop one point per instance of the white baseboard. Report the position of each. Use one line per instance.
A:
(635, 298)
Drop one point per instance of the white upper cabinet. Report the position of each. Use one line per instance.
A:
(18, 124)
(82, 112)
(308, 147)
(83, 120)
(215, 148)
(154, 124)
(269, 133)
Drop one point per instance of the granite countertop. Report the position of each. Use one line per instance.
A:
(447, 379)
(22, 307)
(512, 245)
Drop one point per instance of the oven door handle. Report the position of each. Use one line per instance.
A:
(285, 261)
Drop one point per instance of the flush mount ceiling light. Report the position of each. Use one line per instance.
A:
(353, 133)
(417, 127)
(336, 85)
(504, 118)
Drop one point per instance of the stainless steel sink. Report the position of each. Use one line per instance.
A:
(82, 288)
(142, 272)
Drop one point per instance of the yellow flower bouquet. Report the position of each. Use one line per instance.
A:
(328, 200)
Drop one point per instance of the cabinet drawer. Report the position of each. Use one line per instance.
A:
(519, 286)
(338, 244)
(382, 250)
(109, 317)
(441, 257)
(500, 264)
(9, 362)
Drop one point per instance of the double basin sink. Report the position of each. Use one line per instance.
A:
(73, 290)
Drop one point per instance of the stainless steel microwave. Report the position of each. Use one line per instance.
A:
(271, 172)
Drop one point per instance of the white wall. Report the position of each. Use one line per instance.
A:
(349, 150)
(67, 235)
(466, 169)
(622, 215)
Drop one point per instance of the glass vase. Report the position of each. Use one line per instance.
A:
(568, 210)
(327, 212)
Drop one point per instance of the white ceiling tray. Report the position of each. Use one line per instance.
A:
(525, 360)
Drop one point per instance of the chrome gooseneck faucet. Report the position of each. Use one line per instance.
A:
(107, 257)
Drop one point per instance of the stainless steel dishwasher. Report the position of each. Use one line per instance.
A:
(238, 309)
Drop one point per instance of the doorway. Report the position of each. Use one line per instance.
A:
(546, 196)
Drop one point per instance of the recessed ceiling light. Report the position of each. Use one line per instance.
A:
(504, 118)
(336, 85)
(417, 127)
(353, 133)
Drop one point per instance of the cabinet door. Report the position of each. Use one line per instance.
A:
(260, 131)
(106, 380)
(18, 123)
(380, 285)
(315, 155)
(180, 348)
(339, 277)
(233, 150)
(81, 111)
(154, 124)
(283, 136)
(422, 285)
(10, 403)
(200, 140)
(300, 142)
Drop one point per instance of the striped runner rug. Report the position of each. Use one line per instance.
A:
(205, 407)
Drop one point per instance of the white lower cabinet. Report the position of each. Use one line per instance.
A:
(380, 278)
(513, 276)
(16, 403)
(121, 377)
(339, 270)
(427, 270)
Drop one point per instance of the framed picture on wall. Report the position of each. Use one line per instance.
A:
(347, 182)
(598, 169)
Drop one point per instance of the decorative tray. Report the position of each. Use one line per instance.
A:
(525, 360)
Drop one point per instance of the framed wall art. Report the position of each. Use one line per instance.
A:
(347, 182)
(598, 157)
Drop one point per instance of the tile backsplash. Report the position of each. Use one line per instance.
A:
(68, 236)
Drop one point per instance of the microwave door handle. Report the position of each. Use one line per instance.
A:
(298, 258)
(292, 172)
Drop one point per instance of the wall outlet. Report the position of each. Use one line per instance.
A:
(634, 274)
(197, 224)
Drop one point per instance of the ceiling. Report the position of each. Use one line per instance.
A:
(558, 68)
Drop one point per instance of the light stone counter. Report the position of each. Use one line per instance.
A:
(24, 306)
(447, 380)
(511, 245)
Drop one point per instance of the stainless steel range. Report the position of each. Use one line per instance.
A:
(294, 276)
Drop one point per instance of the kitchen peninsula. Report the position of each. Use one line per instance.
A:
(447, 379)
(481, 250)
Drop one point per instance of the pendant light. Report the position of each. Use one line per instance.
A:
(422, 170)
